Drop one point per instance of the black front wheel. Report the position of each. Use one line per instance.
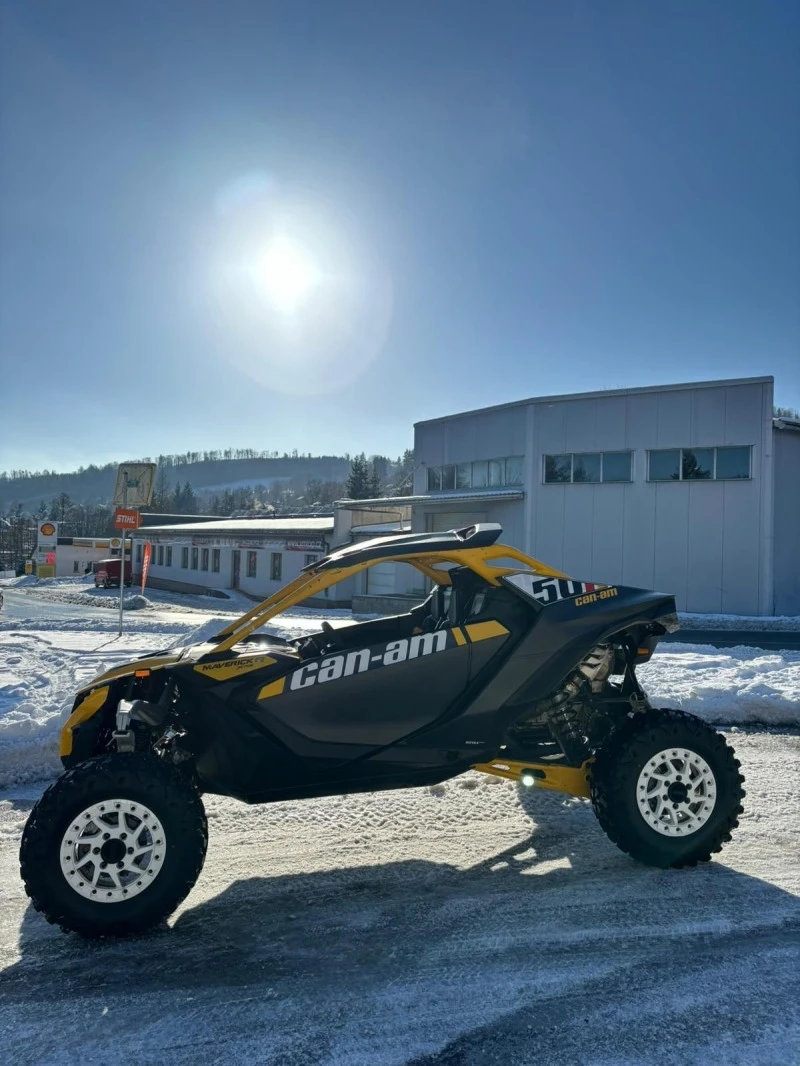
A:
(666, 788)
(114, 845)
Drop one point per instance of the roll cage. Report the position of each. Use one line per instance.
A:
(430, 553)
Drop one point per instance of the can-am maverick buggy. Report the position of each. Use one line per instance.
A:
(508, 667)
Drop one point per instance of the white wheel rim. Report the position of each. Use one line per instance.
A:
(113, 850)
(676, 792)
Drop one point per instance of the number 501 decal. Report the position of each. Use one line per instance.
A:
(546, 590)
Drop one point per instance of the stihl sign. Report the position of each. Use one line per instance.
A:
(125, 518)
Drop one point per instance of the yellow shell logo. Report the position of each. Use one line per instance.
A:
(47, 530)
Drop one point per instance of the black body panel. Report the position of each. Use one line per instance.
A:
(410, 700)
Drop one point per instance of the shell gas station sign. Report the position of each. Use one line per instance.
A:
(46, 541)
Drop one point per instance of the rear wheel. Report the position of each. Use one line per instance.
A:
(666, 788)
(114, 846)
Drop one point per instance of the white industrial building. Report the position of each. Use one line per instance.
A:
(690, 489)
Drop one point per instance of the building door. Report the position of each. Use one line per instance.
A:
(237, 568)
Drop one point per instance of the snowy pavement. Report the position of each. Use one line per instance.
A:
(436, 926)
(444, 926)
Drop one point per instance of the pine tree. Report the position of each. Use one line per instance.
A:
(162, 497)
(358, 480)
(374, 487)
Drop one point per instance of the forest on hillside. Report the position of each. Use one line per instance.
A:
(228, 484)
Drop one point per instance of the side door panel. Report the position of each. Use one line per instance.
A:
(368, 697)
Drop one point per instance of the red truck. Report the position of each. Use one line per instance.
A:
(106, 573)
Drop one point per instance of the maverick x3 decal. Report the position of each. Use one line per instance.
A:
(345, 664)
(546, 590)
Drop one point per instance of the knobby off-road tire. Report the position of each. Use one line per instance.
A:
(134, 808)
(641, 796)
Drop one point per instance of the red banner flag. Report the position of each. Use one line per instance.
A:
(145, 564)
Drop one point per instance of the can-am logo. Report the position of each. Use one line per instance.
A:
(348, 663)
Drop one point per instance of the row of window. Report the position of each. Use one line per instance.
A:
(483, 474)
(587, 467)
(664, 464)
(209, 559)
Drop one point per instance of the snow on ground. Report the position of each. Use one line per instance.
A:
(726, 686)
(445, 926)
(43, 661)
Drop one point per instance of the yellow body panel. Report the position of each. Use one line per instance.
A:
(82, 713)
(485, 631)
(573, 780)
(274, 688)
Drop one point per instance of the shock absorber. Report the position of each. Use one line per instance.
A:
(563, 716)
(565, 710)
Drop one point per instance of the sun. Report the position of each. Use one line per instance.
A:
(287, 274)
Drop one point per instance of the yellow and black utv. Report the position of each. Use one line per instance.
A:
(508, 667)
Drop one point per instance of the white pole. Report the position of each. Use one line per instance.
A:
(122, 551)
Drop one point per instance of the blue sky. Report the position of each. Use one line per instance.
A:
(487, 201)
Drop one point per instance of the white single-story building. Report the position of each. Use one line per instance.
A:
(255, 555)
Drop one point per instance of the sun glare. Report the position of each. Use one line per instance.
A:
(287, 274)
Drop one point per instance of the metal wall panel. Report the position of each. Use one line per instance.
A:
(709, 543)
(704, 556)
(608, 527)
(671, 540)
(740, 544)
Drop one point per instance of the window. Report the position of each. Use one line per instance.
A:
(497, 472)
(215, 560)
(699, 464)
(482, 474)
(76, 566)
(169, 557)
(204, 559)
(514, 470)
(732, 464)
(557, 469)
(587, 468)
(665, 465)
(138, 553)
(161, 555)
(275, 566)
(252, 564)
(194, 558)
(616, 466)
(185, 558)
(309, 559)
